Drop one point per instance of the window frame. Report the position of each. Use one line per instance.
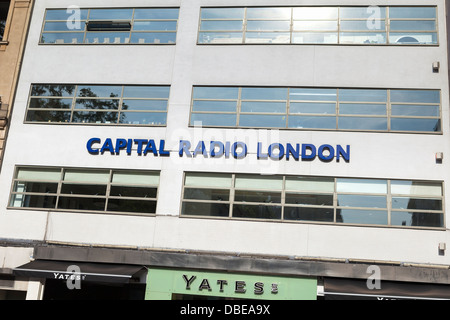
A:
(132, 21)
(76, 98)
(59, 194)
(335, 206)
(338, 31)
(337, 115)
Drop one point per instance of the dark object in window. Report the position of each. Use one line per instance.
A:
(4, 8)
(108, 26)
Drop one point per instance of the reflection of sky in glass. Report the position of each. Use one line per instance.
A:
(315, 13)
(364, 216)
(269, 13)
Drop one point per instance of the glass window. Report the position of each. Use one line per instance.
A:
(111, 26)
(394, 203)
(85, 190)
(386, 110)
(99, 104)
(358, 25)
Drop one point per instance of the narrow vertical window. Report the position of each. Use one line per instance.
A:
(4, 8)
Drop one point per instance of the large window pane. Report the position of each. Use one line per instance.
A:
(214, 106)
(312, 94)
(309, 199)
(417, 219)
(411, 38)
(262, 121)
(144, 105)
(50, 103)
(53, 90)
(205, 209)
(416, 96)
(362, 12)
(368, 217)
(111, 14)
(269, 13)
(310, 184)
(310, 122)
(76, 203)
(258, 183)
(362, 109)
(216, 93)
(312, 13)
(154, 13)
(362, 95)
(412, 12)
(361, 186)
(48, 116)
(213, 119)
(263, 107)
(221, 25)
(132, 206)
(416, 203)
(415, 110)
(267, 37)
(206, 194)
(257, 196)
(261, 25)
(416, 188)
(422, 125)
(256, 211)
(362, 123)
(315, 37)
(312, 108)
(223, 13)
(62, 38)
(350, 200)
(220, 37)
(208, 180)
(309, 214)
(143, 118)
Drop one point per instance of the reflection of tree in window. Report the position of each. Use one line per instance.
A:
(98, 105)
(4, 7)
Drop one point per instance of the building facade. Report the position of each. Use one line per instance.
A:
(14, 21)
(249, 149)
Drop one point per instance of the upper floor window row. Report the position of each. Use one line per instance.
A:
(304, 108)
(98, 104)
(85, 190)
(334, 200)
(110, 26)
(319, 25)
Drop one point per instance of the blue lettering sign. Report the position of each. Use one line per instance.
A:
(217, 149)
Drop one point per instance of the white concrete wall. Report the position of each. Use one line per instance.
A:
(375, 155)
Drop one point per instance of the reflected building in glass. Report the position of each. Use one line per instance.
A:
(277, 150)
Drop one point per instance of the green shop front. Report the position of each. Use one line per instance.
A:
(175, 284)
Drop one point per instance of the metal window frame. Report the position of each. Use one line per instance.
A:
(335, 207)
(388, 116)
(338, 30)
(61, 181)
(85, 32)
(75, 98)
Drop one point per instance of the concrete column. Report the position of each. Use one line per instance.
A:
(35, 289)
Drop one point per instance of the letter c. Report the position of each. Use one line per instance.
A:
(89, 146)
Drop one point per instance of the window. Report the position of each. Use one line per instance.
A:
(371, 202)
(98, 104)
(319, 25)
(92, 190)
(4, 8)
(110, 26)
(383, 110)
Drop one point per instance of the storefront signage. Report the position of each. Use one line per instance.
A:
(217, 149)
(165, 283)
